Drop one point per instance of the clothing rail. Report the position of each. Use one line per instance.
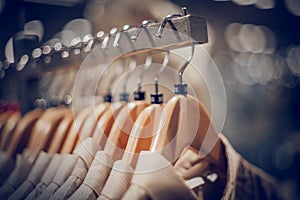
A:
(177, 32)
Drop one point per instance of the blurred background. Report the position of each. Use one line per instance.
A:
(255, 44)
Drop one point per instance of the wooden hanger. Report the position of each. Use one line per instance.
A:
(147, 123)
(43, 131)
(72, 135)
(105, 123)
(7, 132)
(142, 133)
(22, 132)
(3, 119)
(90, 124)
(61, 133)
(186, 123)
(119, 134)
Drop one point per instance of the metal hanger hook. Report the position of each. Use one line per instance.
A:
(131, 68)
(115, 76)
(163, 66)
(144, 24)
(147, 65)
(187, 62)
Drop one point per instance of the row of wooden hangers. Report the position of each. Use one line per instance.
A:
(123, 129)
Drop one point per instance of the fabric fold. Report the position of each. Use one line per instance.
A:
(33, 178)
(16, 178)
(150, 169)
(63, 172)
(46, 178)
(95, 178)
(118, 181)
(86, 152)
(7, 165)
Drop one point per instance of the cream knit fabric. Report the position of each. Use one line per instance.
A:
(63, 172)
(95, 178)
(86, 153)
(16, 178)
(33, 178)
(46, 178)
(118, 181)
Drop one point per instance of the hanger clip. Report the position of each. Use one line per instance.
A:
(180, 89)
(139, 95)
(157, 98)
(124, 97)
(108, 98)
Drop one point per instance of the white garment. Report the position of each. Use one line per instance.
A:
(33, 178)
(95, 178)
(118, 181)
(86, 152)
(64, 171)
(6, 166)
(156, 178)
(46, 178)
(16, 178)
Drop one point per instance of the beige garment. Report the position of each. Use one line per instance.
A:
(16, 178)
(157, 177)
(63, 172)
(244, 181)
(118, 181)
(46, 178)
(95, 178)
(6, 166)
(33, 178)
(86, 153)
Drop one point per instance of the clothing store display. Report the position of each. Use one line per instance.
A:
(63, 172)
(82, 147)
(46, 178)
(86, 153)
(95, 178)
(16, 177)
(33, 177)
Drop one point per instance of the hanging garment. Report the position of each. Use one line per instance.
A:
(33, 177)
(155, 178)
(46, 178)
(244, 181)
(95, 178)
(17, 176)
(67, 166)
(63, 172)
(140, 139)
(7, 164)
(86, 153)
(118, 181)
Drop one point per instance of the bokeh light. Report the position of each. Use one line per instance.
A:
(80, 27)
(265, 4)
(9, 51)
(293, 6)
(34, 27)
